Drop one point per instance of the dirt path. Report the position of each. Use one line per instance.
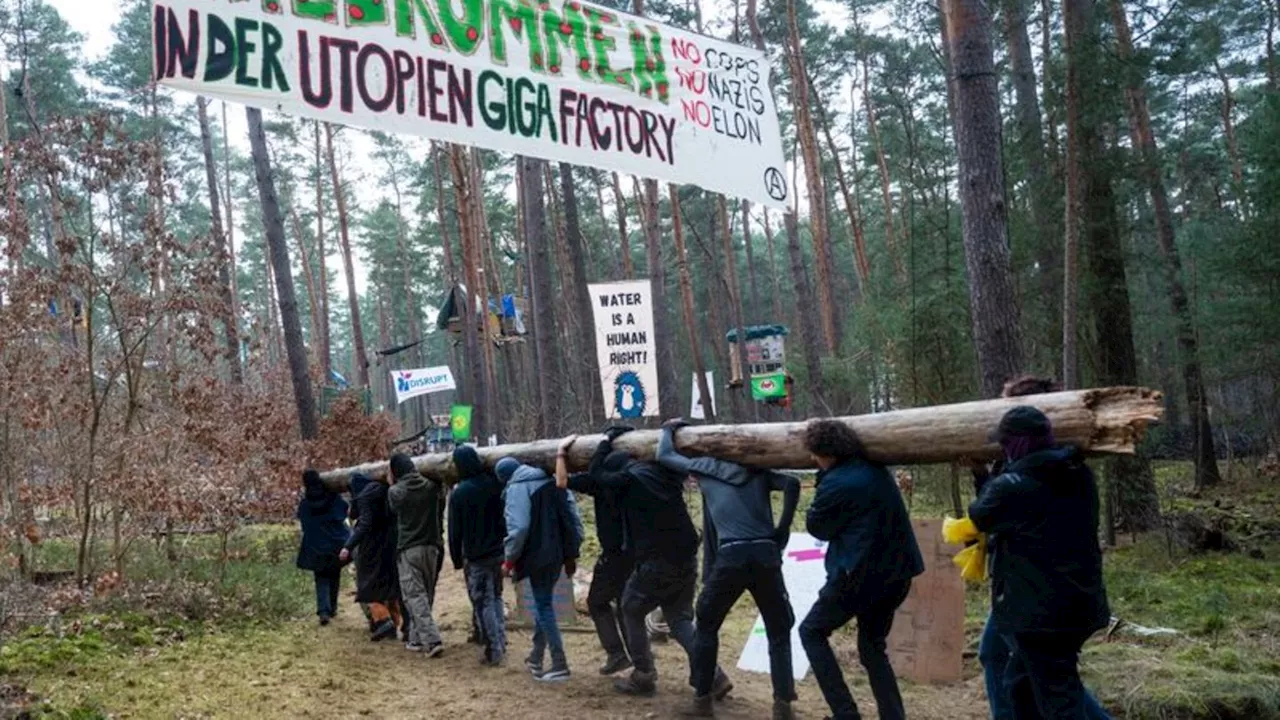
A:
(300, 670)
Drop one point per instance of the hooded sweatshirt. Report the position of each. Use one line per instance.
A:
(476, 524)
(611, 527)
(1041, 518)
(417, 505)
(322, 515)
(737, 510)
(652, 496)
(543, 526)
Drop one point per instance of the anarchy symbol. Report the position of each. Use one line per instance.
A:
(775, 184)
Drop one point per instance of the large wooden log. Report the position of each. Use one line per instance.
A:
(1106, 420)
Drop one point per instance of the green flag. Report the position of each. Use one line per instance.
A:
(460, 421)
(768, 387)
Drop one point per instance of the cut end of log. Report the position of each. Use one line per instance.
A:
(1121, 417)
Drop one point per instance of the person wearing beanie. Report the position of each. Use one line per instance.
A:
(544, 534)
(418, 506)
(476, 532)
(374, 537)
(322, 514)
(1047, 593)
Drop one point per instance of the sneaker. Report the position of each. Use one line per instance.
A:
(557, 673)
(436, 650)
(383, 630)
(615, 665)
(414, 647)
(782, 710)
(324, 620)
(637, 683)
(533, 666)
(722, 686)
(702, 706)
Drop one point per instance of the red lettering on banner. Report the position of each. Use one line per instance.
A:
(695, 80)
(687, 50)
(697, 111)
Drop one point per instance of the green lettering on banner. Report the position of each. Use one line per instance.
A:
(316, 10)
(569, 30)
(524, 24)
(406, 27)
(244, 49)
(272, 70)
(495, 114)
(602, 43)
(220, 57)
(362, 13)
(650, 66)
(544, 113)
(464, 33)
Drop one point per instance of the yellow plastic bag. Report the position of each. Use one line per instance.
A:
(972, 560)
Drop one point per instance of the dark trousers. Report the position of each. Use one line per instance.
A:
(659, 583)
(995, 653)
(484, 589)
(327, 584)
(720, 591)
(1043, 676)
(608, 580)
(840, 600)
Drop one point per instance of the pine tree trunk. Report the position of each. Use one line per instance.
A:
(667, 392)
(307, 275)
(550, 386)
(624, 239)
(686, 306)
(1046, 96)
(1143, 138)
(230, 227)
(450, 269)
(774, 274)
(1229, 132)
(753, 312)
(886, 194)
(465, 194)
(225, 269)
(1075, 23)
(488, 279)
(274, 227)
(581, 296)
(809, 338)
(993, 301)
(828, 315)
(568, 338)
(410, 299)
(735, 304)
(860, 263)
(348, 264)
(326, 336)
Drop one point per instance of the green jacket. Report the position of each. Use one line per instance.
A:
(418, 506)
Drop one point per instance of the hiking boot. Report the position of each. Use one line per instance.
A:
(615, 665)
(637, 683)
(782, 710)
(722, 686)
(383, 630)
(435, 651)
(558, 672)
(701, 706)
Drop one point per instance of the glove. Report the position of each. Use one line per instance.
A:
(570, 567)
(613, 432)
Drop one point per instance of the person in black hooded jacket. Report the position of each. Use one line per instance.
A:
(1048, 597)
(322, 514)
(377, 581)
(476, 532)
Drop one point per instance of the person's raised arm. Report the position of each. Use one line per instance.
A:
(992, 510)
(562, 462)
(604, 478)
(668, 456)
(790, 488)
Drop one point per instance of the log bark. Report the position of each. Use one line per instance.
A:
(1099, 421)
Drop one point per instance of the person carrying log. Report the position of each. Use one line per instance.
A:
(616, 561)
(665, 544)
(544, 534)
(870, 562)
(415, 502)
(374, 536)
(741, 552)
(1048, 597)
(476, 532)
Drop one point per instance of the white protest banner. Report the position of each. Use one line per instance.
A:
(563, 80)
(804, 572)
(424, 381)
(696, 412)
(625, 348)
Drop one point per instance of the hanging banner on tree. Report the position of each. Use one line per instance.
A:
(423, 381)
(563, 80)
(460, 422)
(625, 348)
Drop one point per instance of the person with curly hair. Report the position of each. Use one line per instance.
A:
(870, 562)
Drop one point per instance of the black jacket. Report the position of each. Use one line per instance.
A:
(323, 517)
(543, 527)
(611, 529)
(476, 525)
(657, 520)
(859, 510)
(374, 539)
(1041, 516)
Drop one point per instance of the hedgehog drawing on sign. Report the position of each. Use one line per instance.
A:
(629, 395)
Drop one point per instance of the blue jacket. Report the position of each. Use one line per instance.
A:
(859, 510)
(476, 525)
(1041, 519)
(323, 517)
(543, 526)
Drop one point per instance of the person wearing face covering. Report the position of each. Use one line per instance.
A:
(322, 514)
(374, 536)
(476, 532)
(1047, 593)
